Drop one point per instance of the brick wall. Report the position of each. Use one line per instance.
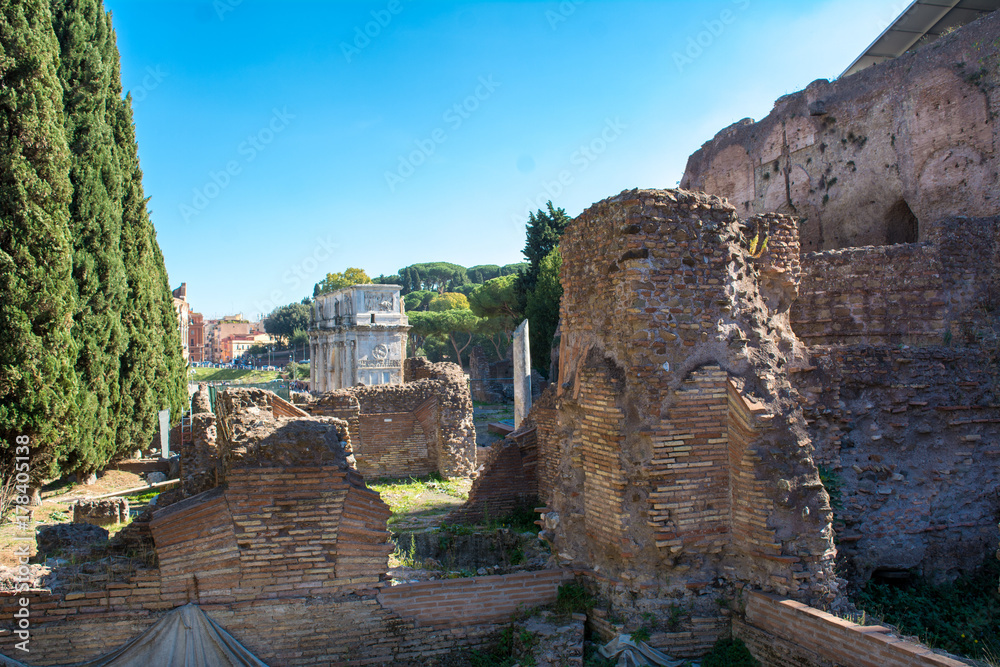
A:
(406, 622)
(605, 520)
(690, 500)
(916, 294)
(545, 417)
(395, 444)
(911, 437)
(785, 633)
(457, 602)
(873, 294)
(676, 462)
(290, 562)
(507, 481)
(432, 427)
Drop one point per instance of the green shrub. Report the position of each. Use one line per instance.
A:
(960, 617)
(729, 653)
(511, 646)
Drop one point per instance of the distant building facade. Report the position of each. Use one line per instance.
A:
(235, 346)
(230, 325)
(196, 338)
(358, 336)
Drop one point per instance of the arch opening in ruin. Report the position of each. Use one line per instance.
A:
(901, 225)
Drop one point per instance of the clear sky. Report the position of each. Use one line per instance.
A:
(284, 140)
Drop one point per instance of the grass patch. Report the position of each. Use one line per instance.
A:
(573, 598)
(424, 495)
(230, 374)
(962, 617)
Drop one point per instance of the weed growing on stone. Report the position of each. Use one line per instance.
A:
(833, 483)
(573, 598)
(641, 634)
(510, 646)
(961, 617)
(405, 557)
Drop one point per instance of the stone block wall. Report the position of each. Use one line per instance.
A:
(200, 456)
(101, 512)
(916, 294)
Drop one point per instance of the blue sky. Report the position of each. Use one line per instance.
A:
(283, 140)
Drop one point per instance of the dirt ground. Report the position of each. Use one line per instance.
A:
(57, 500)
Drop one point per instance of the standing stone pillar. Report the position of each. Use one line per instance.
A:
(522, 373)
(312, 363)
(323, 376)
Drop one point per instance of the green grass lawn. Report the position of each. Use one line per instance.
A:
(230, 374)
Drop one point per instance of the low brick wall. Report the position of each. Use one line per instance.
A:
(459, 602)
(402, 622)
(785, 633)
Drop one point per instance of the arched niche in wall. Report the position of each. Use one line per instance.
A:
(901, 225)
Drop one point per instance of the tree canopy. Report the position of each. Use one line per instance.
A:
(89, 340)
(336, 281)
(448, 301)
(544, 230)
(496, 298)
(542, 311)
(38, 384)
(284, 321)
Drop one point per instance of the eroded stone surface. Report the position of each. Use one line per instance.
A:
(894, 149)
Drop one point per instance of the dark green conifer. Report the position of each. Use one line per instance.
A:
(37, 381)
(91, 82)
(151, 370)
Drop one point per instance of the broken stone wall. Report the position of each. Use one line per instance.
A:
(910, 440)
(926, 293)
(681, 463)
(875, 158)
(491, 381)
(419, 427)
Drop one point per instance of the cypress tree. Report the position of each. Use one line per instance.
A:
(171, 384)
(37, 380)
(91, 92)
(146, 384)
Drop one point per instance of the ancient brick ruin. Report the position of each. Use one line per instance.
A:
(679, 456)
(287, 551)
(892, 173)
(421, 426)
(769, 388)
(682, 467)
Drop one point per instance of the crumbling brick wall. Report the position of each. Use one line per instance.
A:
(421, 426)
(681, 461)
(292, 541)
(910, 438)
(916, 294)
